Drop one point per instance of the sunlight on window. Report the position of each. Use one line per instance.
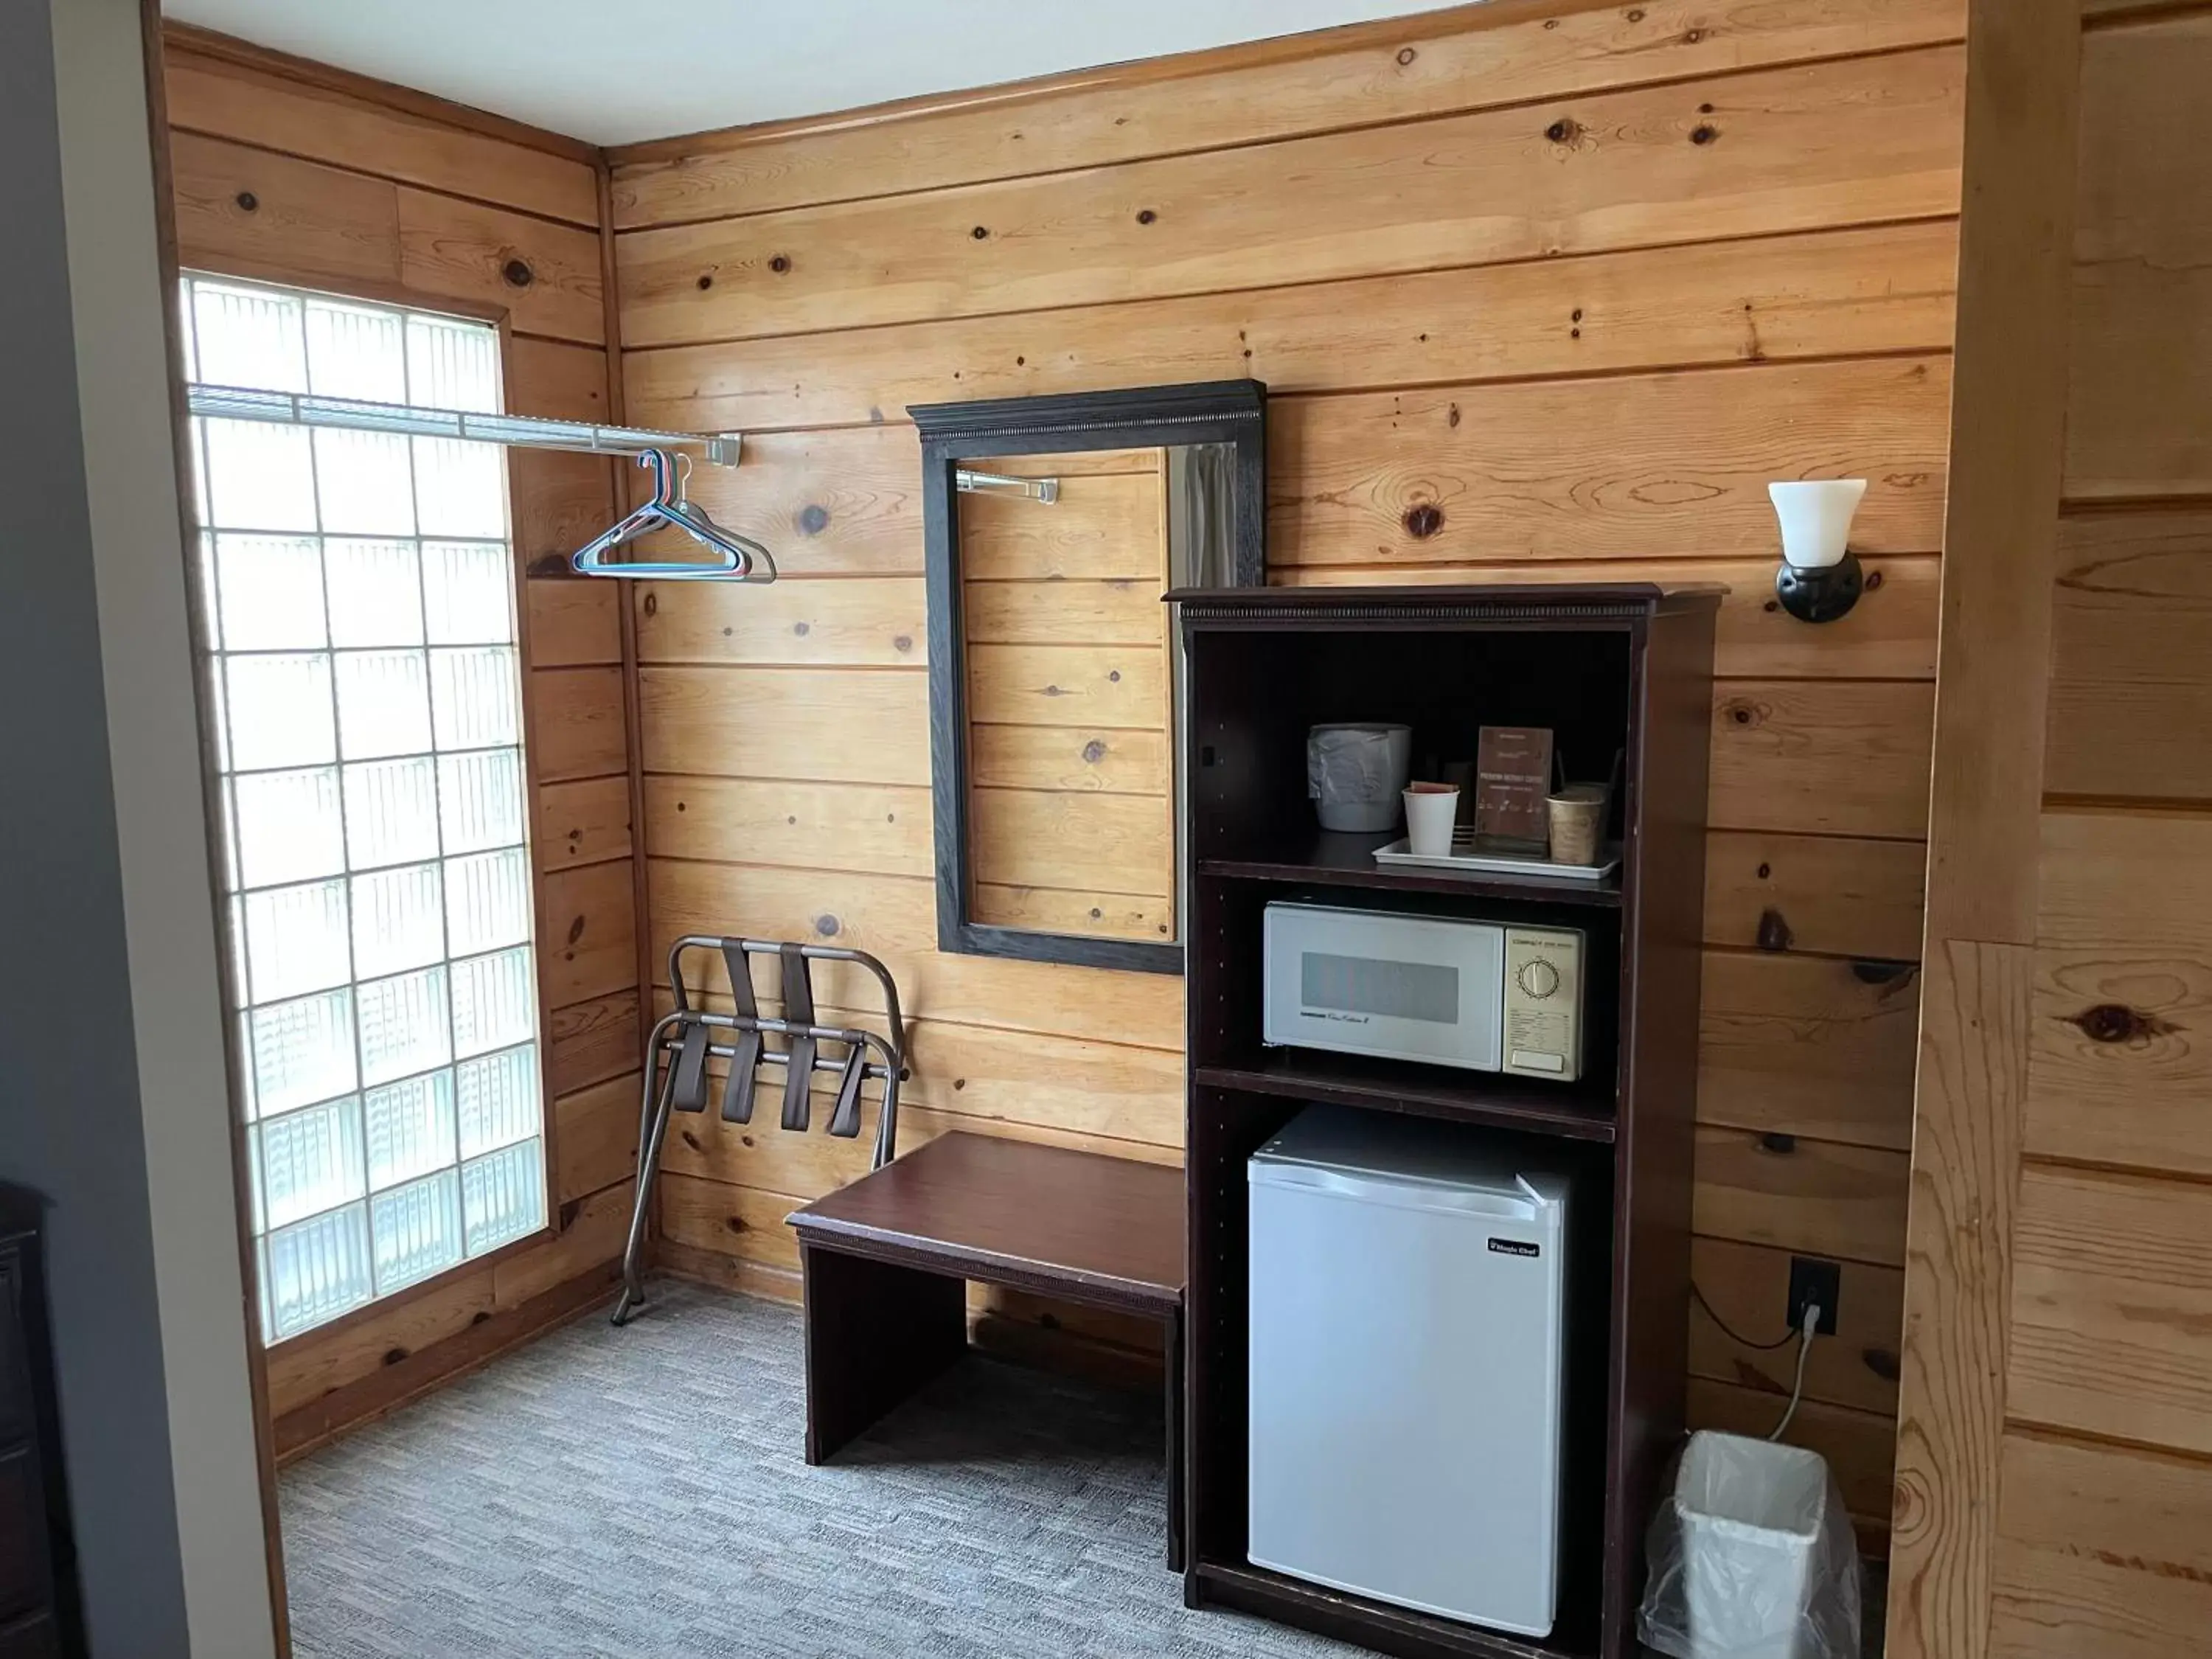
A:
(360, 612)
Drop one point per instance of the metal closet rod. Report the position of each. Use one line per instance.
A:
(967, 479)
(231, 402)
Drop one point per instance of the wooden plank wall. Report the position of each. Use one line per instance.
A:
(1574, 280)
(1071, 801)
(2057, 1452)
(290, 173)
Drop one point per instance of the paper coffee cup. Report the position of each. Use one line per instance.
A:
(1431, 809)
(1577, 820)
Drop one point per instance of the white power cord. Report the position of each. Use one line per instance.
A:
(1805, 1336)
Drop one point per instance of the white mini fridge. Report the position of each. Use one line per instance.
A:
(1408, 1335)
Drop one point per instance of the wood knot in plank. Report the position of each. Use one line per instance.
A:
(518, 273)
(1704, 133)
(826, 926)
(2115, 1022)
(1779, 1145)
(814, 519)
(780, 264)
(1094, 752)
(1869, 971)
(1423, 520)
(393, 1356)
(1407, 57)
(1774, 932)
(249, 201)
(1565, 130)
(653, 604)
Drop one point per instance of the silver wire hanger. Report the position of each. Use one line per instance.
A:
(742, 559)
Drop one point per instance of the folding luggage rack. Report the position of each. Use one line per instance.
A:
(684, 1039)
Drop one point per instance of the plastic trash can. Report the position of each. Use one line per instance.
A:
(1752, 1557)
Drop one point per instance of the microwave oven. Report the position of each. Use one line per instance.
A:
(1488, 996)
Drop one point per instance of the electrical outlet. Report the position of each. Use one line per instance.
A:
(1815, 1282)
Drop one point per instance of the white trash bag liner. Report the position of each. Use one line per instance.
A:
(1752, 1557)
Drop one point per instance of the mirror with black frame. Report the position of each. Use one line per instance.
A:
(1054, 527)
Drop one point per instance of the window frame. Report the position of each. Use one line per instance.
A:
(205, 661)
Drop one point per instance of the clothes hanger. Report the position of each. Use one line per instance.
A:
(742, 559)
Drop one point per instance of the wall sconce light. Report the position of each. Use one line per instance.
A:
(1819, 580)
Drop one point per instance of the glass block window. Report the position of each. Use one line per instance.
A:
(360, 615)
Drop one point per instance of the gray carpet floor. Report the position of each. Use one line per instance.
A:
(642, 1492)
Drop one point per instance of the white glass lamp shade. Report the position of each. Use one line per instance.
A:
(1816, 518)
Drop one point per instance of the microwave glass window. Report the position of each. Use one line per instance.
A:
(1394, 990)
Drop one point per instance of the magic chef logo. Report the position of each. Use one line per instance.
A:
(1513, 1246)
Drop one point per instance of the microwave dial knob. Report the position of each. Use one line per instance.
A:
(1538, 978)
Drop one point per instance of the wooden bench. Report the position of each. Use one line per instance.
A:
(886, 1260)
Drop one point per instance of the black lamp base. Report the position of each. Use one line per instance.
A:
(1821, 593)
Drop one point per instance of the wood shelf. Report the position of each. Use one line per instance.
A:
(1580, 1111)
(1323, 859)
(1374, 1624)
(1623, 672)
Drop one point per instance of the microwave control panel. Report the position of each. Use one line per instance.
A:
(1543, 1003)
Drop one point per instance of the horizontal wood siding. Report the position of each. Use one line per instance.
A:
(1579, 279)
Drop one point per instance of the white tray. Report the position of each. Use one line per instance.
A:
(1465, 860)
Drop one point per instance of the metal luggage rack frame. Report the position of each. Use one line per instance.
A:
(685, 1038)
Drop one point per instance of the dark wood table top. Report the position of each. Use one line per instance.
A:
(1108, 1230)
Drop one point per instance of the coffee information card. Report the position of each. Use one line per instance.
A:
(1513, 774)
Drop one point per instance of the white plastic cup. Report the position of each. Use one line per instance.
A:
(1430, 810)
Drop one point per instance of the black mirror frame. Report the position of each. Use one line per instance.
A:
(1233, 412)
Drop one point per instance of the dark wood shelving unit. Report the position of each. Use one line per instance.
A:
(1613, 670)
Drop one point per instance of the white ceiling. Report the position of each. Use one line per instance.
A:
(617, 71)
